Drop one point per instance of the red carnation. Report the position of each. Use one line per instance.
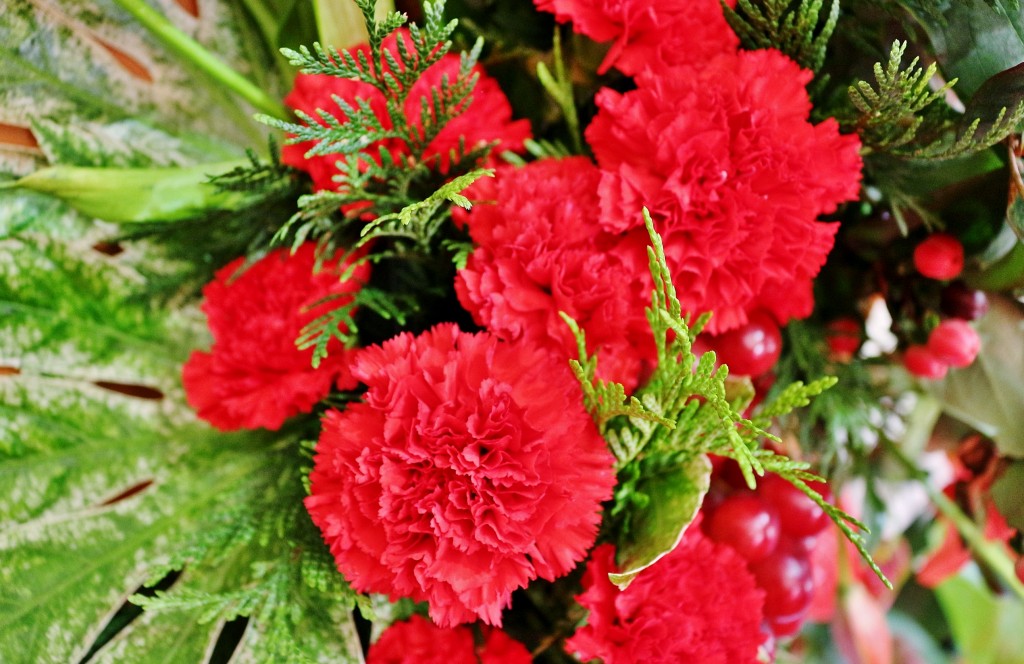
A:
(254, 376)
(649, 34)
(469, 469)
(488, 118)
(697, 604)
(734, 175)
(540, 251)
(419, 641)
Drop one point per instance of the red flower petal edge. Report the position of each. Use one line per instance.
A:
(698, 604)
(419, 641)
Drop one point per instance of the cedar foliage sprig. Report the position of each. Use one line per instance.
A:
(376, 180)
(688, 408)
(786, 26)
(408, 197)
(898, 115)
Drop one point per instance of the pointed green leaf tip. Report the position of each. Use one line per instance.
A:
(674, 497)
(130, 195)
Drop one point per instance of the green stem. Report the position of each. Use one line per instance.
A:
(192, 51)
(985, 550)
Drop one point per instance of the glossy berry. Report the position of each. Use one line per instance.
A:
(787, 625)
(752, 349)
(954, 342)
(785, 576)
(844, 336)
(959, 301)
(939, 256)
(747, 524)
(799, 516)
(921, 362)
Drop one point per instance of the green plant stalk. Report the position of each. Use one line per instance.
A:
(988, 552)
(192, 51)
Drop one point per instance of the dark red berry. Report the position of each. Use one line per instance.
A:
(939, 256)
(844, 336)
(747, 524)
(921, 362)
(752, 349)
(959, 301)
(954, 342)
(799, 516)
(788, 585)
(787, 625)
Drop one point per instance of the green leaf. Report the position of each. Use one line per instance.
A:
(987, 395)
(1008, 493)
(986, 627)
(107, 483)
(139, 194)
(973, 39)
(674, 495)
(1000, 94)
(97, 87)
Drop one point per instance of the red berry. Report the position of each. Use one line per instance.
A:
(799, 516)
(939, 256)
(787, 625)
(1019, 568)
(921, 362)
(844, 336)
(752, 349)
(959, 301)
(954, 342)
(788, 585)
(747, 524)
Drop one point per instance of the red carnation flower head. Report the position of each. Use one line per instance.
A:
(254, 376)
(419, 641)
(469, 469)
(697, 604)
(735, 177)
(540, 251)
(488, 117)
(649, 34)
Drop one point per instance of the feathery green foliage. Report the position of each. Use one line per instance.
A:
(787, 25)
(688, 409)
(393, 72)
(898, 115)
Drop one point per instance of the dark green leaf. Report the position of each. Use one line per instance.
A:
(674, 495)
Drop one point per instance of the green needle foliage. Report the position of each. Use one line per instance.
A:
(688, 409)
(785, 25)
(407, 195)
(377, 180)
(898, 114)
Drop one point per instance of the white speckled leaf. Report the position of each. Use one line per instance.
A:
(91, 408)
(95, 88)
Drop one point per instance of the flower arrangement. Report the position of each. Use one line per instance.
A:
(503, 332)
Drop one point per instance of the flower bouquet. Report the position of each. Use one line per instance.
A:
(506, 332)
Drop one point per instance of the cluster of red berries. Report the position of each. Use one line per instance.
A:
(774, 528)
(953, 342)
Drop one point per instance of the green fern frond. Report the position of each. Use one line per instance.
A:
(785, 26)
